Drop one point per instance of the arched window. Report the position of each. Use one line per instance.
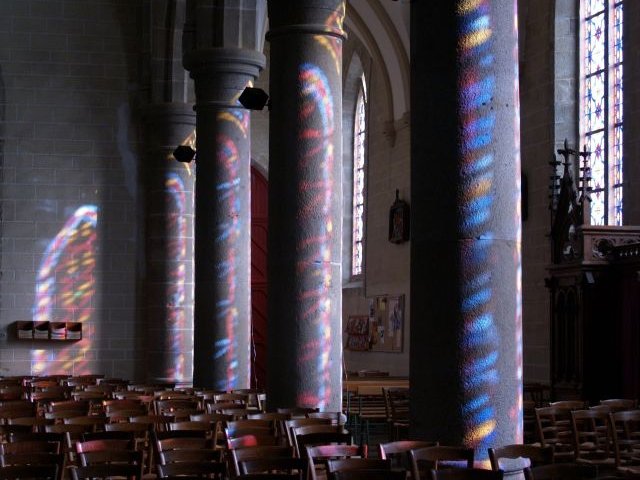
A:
(359, 162)
(601, 107)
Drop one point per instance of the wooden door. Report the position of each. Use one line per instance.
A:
(259, 214)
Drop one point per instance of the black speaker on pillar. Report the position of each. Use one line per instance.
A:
(184, 154)
(254, 98)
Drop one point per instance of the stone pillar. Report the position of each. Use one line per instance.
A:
(466, 346)
(305, 204)
(222, 317)
(168, 237)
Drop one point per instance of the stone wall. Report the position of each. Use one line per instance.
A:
(68, 83)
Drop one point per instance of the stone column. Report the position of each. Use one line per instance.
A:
(223, 214)
(466, 346)
(168, 237)
(305, 204)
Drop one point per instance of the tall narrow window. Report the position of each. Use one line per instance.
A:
(359, 137)
(602, 116)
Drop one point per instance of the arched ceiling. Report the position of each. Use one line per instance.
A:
(383, 27)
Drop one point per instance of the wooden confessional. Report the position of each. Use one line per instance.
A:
(594, 284)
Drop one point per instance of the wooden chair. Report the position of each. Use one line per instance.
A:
(553, 425)
(87, 446)
(513, 459)
(36, 423)
(254, 398)
(278, 421)
(371, 410)
(302, 422)
(238, 455)
(620, 404)
(466, 474)
(251, 441)
(397, 409)
(32, 453)
(96, 422)
(337, 418)
(70, 405)
(319, 435)
(592, 438)
(561, 471)
(423, 460)
(157, 423)
(398, 451)
(297, 412)
(626, 441)
(318, 455)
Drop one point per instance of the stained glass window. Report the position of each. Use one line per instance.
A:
(359, 137)
(602, 115)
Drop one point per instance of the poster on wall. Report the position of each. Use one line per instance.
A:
(357, 332)
(381, 330)
(386, 318)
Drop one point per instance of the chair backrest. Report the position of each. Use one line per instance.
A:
(337, 418)
(423, 460)
(158, 423)
(564, 471)
(301, 422)
(399, 452)
(189, 455)
(535, 454)
(553, 425)
(251, 441)
(342, 464)
(570, 404)
(104, 444)
(466, 474)
(297, 412)
(625, 429)
(318, 455)
(263, 451)
(620, 404)
(335, 436)
(30, 446)
(592, 437)
(277, 419)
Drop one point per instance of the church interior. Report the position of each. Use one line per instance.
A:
(434, 193)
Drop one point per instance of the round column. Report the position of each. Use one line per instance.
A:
(466, 344)
(222, 317)
(305, 204)
(168, 236)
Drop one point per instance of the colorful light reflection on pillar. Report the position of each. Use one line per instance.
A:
(65, 286)
(465, 273)
(481, 343)
(230, 230)
(316, 248)
(177, 253)
(305, 204)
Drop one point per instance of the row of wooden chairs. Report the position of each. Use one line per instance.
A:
(594, 436)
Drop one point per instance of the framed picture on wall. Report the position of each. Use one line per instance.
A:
(357, 332)
(387, 324)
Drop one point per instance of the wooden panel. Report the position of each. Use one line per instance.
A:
(259, 205)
